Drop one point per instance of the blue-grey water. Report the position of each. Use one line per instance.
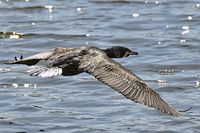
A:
(166, 33)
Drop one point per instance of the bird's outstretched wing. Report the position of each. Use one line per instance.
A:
(48, 55)
(125, 82)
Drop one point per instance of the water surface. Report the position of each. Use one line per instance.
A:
(165, 33)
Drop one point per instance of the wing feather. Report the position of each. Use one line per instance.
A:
(43, 71)
(125, 82)
(48, 55)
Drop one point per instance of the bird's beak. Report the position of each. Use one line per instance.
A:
(133, 53)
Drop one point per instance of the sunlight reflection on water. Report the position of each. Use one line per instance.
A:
(165, 33)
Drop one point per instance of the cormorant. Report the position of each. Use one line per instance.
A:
(97, 62)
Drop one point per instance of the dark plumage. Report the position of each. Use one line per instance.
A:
(97, 62)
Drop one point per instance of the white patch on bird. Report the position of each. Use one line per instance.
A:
(43, 71)
(51, 72)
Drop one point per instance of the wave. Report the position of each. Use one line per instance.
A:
(17, 35)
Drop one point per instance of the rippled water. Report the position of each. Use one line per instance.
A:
(166, 34)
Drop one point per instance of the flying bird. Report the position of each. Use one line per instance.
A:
(98, 63)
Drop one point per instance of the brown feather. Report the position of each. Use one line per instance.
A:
(125, 82)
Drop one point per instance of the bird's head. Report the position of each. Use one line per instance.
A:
(119, 52)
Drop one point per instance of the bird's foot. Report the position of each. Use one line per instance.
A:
(21, 57)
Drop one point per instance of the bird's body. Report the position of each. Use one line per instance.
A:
(97, 62)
